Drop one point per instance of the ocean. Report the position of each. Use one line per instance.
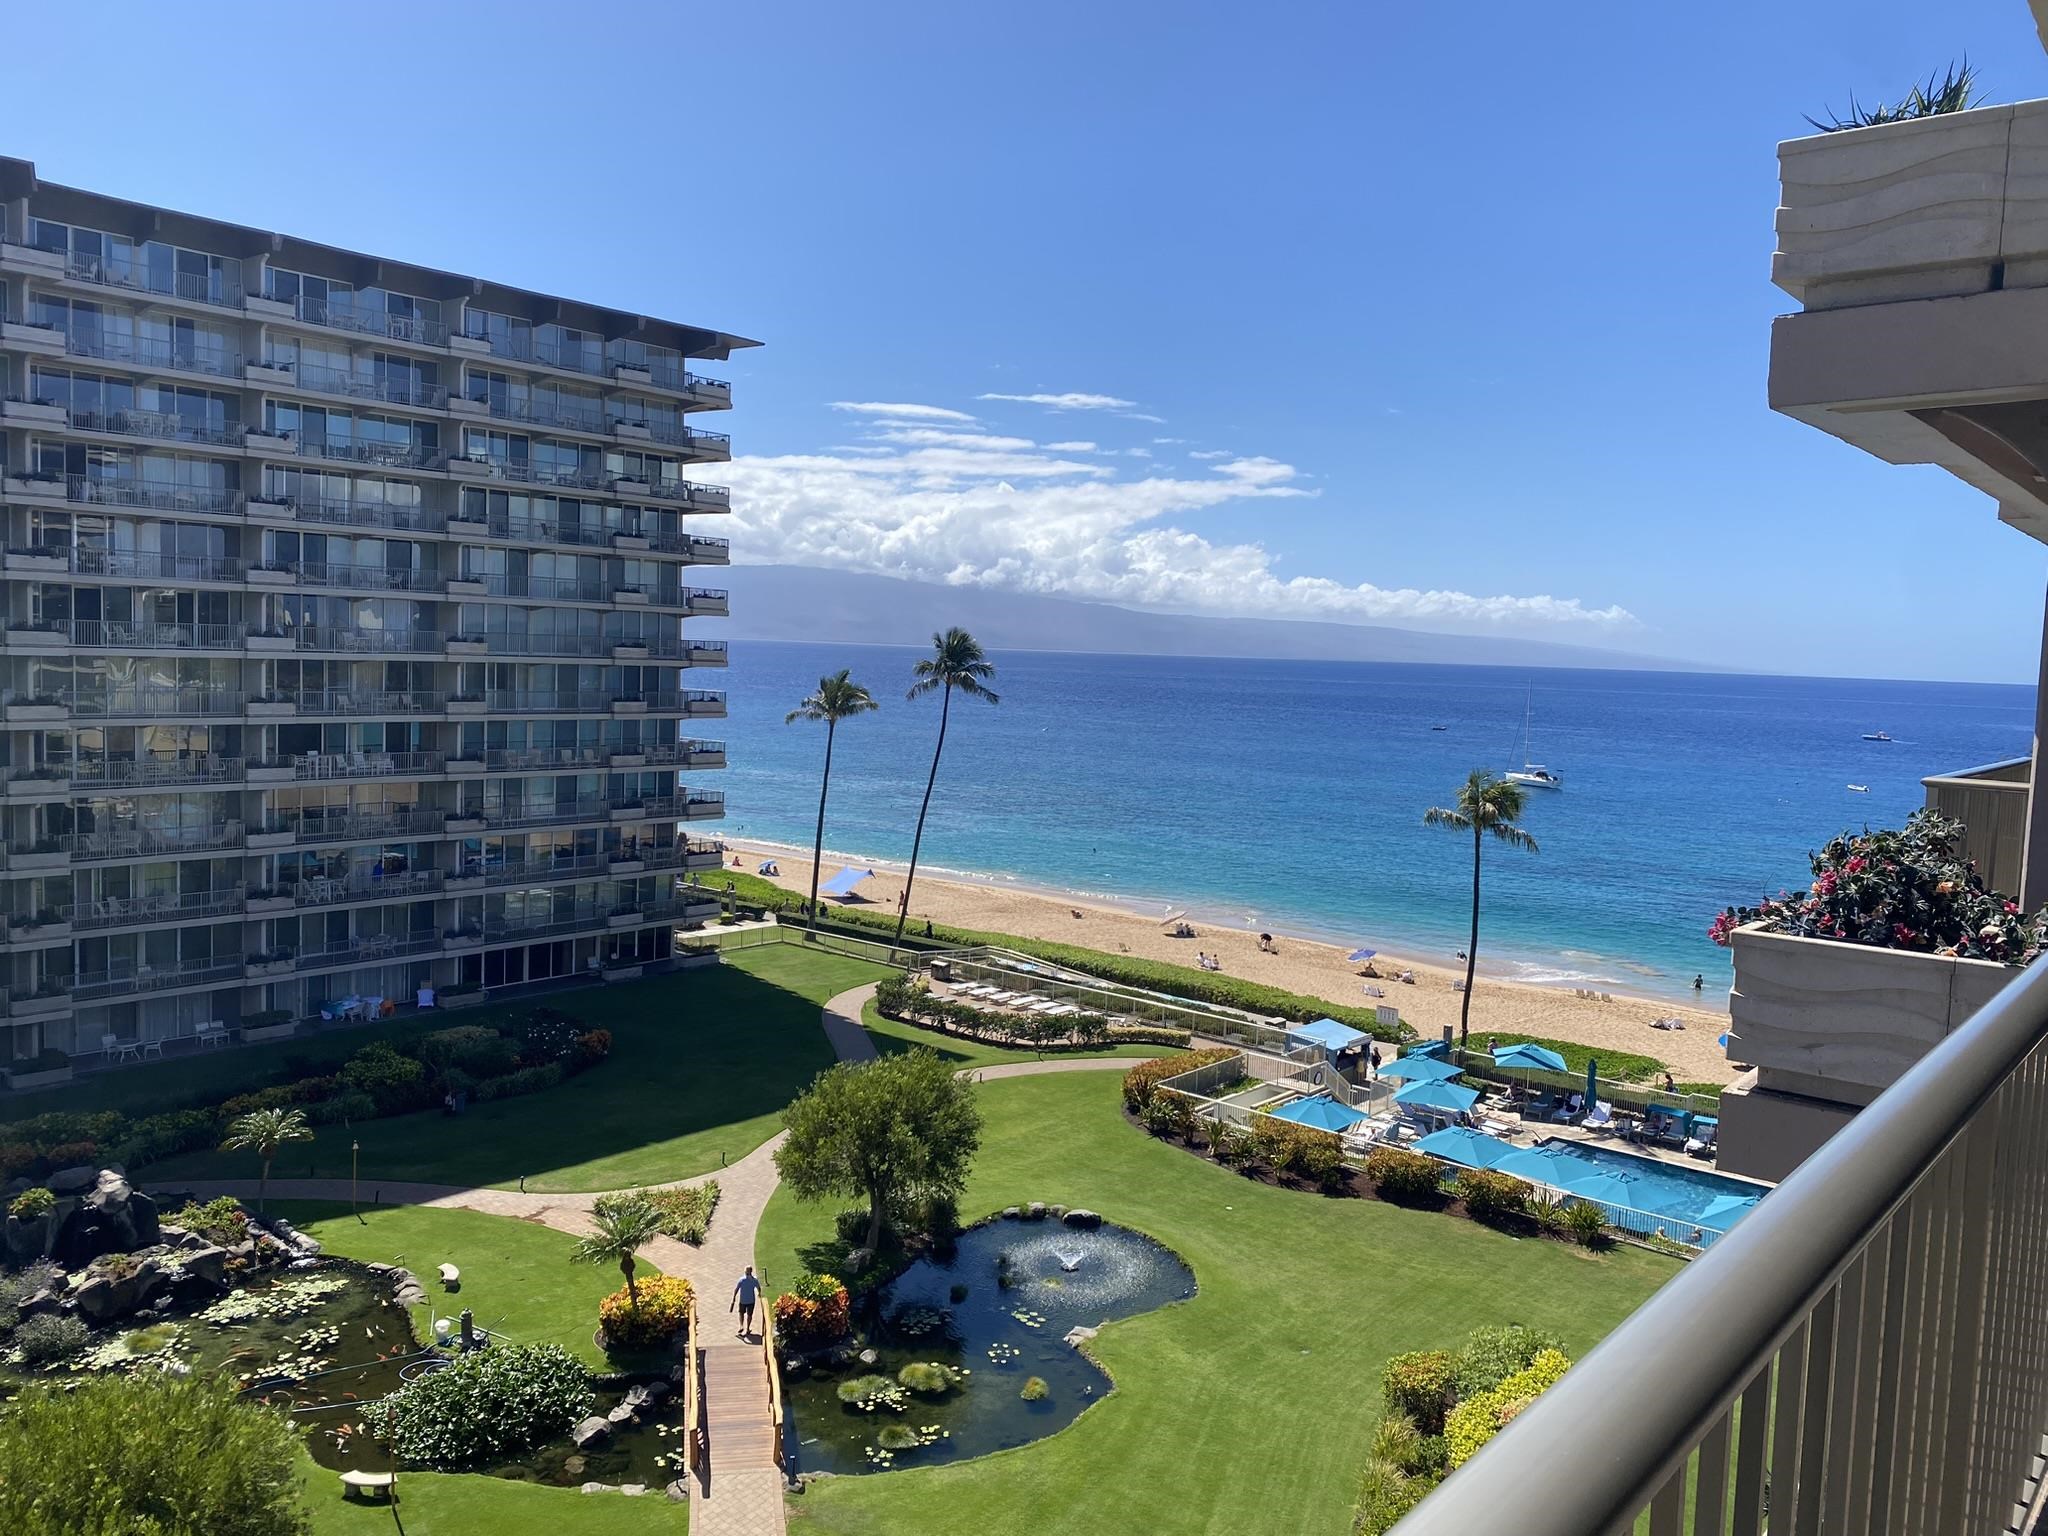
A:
(1289, 795)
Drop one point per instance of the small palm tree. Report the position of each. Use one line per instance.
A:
(625, 1224)
(264, 1132)
(1486, 803)
(838, 698)
(956, 661)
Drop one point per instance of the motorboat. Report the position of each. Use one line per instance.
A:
(1877, 735)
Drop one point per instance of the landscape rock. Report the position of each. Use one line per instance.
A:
(1081, 1218)
(1011, 1213)
(633, 1490)
(207, 1262)
(67, 1182)
(26, 1241)
(856, 1262)
(595, 1488)
(104, 1297)
(1035, 1211)
(1056, 1211)
(639, 1397)
(620, 1415)
(592, 1431)
(655, 1390)
(678, 1491)
(868, 1357)
(1079, 1336)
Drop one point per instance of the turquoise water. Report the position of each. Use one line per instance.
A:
(1289, 795)
(1670, 1190)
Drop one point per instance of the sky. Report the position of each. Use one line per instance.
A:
(1449, 317)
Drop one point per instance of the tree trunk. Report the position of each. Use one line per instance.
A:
(632, 1291)
(1471, 947)
(263, 1186)
(917, 842)
(877, 1203)
(818, 844)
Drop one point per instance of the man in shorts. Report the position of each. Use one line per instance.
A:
(744, 1295)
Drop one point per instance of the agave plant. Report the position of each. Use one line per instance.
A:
(1956, 91)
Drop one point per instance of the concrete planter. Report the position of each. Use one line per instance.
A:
(462, 405)
(272, 773)
(256, 440)
(37, 714)
(39, 933)
(459, 587)
(463, 767)
(49, 1079)
(1843, 1022)
(268, 374)
(267, 309)
(629, 373)
(625, 485)
(259, 577)
(44, 339)
(22, 488)
(469, 647)
(465, 706)
(267, 906)
(620, 972)
(257, 841)
(452, 944)
(30, 863)
(262, 1032)
(459, 885)
(629, 597)
(469, 346)
(26, 639)
(271, 709)
(622, 920)
(632, 432)
(627, 760)
(629, 541)
(459, 1001)
(40, 1007)
(464, 822)
(271, 644)
(628, 866)
(48, 565)
(630, 651)
(619, 707)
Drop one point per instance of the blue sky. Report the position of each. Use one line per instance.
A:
(1466, 306)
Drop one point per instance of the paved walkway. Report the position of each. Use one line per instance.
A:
(742, 1494)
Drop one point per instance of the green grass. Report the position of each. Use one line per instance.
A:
(894, 1035)
(517, 1276)
(454, 1504)
(702, 1065)
(1250, 1408)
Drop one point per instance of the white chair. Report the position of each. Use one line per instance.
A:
(109, 1043)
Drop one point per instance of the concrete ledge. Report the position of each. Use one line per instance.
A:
(1765, 1135)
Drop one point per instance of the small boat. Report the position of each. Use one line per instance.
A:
(1877, 735)
(1859, 789)
(1531, 775)
(1439, 727)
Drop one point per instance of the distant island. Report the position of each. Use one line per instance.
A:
(787, 602)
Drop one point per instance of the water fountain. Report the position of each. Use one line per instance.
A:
(1069, 1260)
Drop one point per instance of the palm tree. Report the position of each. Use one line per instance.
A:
(264, 1132)
(956, 661)
(625, 1224)
(838, 698)
(1486, 803)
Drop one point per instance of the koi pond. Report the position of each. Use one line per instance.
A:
(969, 1354)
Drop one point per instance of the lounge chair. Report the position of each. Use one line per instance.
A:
(1602, 1118)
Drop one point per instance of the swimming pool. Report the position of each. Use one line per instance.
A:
(1670, 1195)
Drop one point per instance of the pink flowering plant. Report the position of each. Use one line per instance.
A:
(1906, 888)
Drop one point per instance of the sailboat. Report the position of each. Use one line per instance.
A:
(1532, 775)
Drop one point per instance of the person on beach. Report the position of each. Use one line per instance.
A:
(744, 1295)
(1669, 1086)
(1698, 983)
(1375, 1059)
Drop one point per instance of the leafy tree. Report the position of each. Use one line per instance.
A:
(838, 698)
(1486, 804)
(956, 662)
(151, 1455)
(895, 1132)
(264, 1132)
(625, 1224)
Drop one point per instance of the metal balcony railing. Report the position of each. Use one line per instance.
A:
(174, 355)
(362, 514)
(556, 589)
(138, 842)
(546, 813)
(157, 495)
(380, 455)
(717, 551)
(316, 891)
(155, 773)
(342, 315)
(336, 637)
(586, 357)
(104, 912)
(390, 389)
(361, 578)
(122, 981)
(322, 824)
(366, 701)
(369, 950)
(547, 413)
(516, 701)
(144, 566)
(316, 766)
(223, 288)
(145, 635)
(153, 703)
(658, 647)
(1867, 1351)
(577, 919)
(165, 426)
(526, 472)
(548, 871)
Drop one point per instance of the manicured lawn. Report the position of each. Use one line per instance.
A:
(701, 1067)
(892, 1035)
(445, 1504)
(517, 1276)
(1249, 1409)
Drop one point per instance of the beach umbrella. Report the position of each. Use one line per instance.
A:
(1360, 954)
(1606, 1188)
(1465, 1147)
(1534, 1164)
(1723, 1211)
(1592, 1083)
(1445, 1098)
(1321, 1112)
(1418, 1069)
(1530, 1056)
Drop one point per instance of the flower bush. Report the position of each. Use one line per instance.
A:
(1909, 889)
(1418, 1386)
(663, 1312)
(815, 1311)
(221, 1220)
(1478, 1418)
(488, 1405)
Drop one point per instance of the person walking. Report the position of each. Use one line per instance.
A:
(1699, 983)
(744, 1295)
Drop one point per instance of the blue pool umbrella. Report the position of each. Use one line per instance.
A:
(1418, 1069)
(1321, 1112)
(1529, 1056)
(1360, 954)
(1592, 1084)
(1606, 1188)
(1535, 1165)
(1723, 1211)
(1446, 1098)
(1467, 1148)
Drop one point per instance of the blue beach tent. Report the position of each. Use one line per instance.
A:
(842, 884)
(1327, 1033)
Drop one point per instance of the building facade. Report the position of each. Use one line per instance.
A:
(345, 648)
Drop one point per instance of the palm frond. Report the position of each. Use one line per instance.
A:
(1443, 816)
(838, 697)
(957, 662)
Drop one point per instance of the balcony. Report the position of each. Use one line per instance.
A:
(132, 635)
(146, 774)
(526, 348)
(321, 825)
(703, 856)
(154, 496)
(149, 355)
(561, 414)
(580, 919)
(345, 514)
(346, 576)
(376, 949)
(708, 551)
(526, 472)
(316, 891)
(699, 754)
(376, 455)
(697, 498)
(139, 704)
(128, 980)
(589, 647)
(709, 602)
(399, 389)
(127, 565)
(548, 870)
(321, 703)
(352, 641)
(547, 589)
(161, 426)
(221, 289)
(589, 808)
(707, 653)
(362, 320)
(1863, 1352)
(328, 767)
(154, 908)
(702, 704)
(125, 843)
(556, 701)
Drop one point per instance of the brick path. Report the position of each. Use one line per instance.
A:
(742, 1496)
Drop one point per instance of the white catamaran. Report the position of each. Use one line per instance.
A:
(1532, 775)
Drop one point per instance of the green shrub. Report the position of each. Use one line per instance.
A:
(548, 1035)
(1491, 1355)
(1397, 1442)
(72, 1154)
(490, 1405)
(220, 1220)
(30, 1280)
(1408, 1178)
(1491, 1196)
(472, 1049)
(47, 1338)
(1385, 1494)
(1478, 1418)
(1418, 1385)
(1140, 1079)
(1168, 1114)
(1584, 1221)
(397, 1083)
(660, 1313)
(32, 1204)
(188, 1458)
(525, 1080)
(1034, 1389)
(1232, 1144)
(266, 1017)
(930, 1378)
(685, 1213)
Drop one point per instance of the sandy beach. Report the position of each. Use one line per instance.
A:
(1503, 1009)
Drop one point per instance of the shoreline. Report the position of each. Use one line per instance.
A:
(1502, 1005)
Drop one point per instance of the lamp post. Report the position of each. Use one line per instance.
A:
(354, 1147)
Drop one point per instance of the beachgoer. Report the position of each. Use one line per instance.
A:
(1698, 1236)
(927, 927)
(1375, 1060)
(1489, 1045)
(744, 1295)
(1698, 982)
(1669, 1086)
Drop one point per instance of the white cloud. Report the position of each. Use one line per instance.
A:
(901, 411)
(1071, 448)
(1168, 441)
(1072, 401)
(1137, 453)
(974, 510)
(1157, 421)
(1209, 453)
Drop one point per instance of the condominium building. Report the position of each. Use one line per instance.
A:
(345, 648)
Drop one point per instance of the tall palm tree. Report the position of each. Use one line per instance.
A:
(956, 661)
(264, 1132)
(1486, 804)
(625, 1224)
(838, 698)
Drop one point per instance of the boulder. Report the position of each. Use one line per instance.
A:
(623, 1414)
(73, 1181)
(1056, 1211)
(592, 1431)
(856, 1262)
(655, 1390)
(678, 1491)
(640, 1397)
(1035, 1211)
(112, 1218)
(26, 1241)
(1081, 1218)
(633, 1490)
(104, 1297)
(1011, 1212)
(208, 1262)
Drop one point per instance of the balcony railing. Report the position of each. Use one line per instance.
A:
(358, 577)
(153, 703)
(155, 773)
(548, 413)
(366, 701)
(545, 814)
(141, 842)
(555, 589)
(377, 454)
(576, 920)
(658, 647)
(392, 390)
(1866, 1351)
(336, 637)
(143, 566)
(174, 355)
(317, 766)
(670, 373)
(156, 495)
(553, 354)
(153, 907)
(340, 315)
(372, 949)
(362, 514)
(526, 472)
(316, 891)
(321, 824)
(519, 701)
(222, 288)
(557, 871)
(165, 426)
(123, 981)
(143, 635)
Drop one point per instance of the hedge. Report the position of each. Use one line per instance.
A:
(1141, 1079)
